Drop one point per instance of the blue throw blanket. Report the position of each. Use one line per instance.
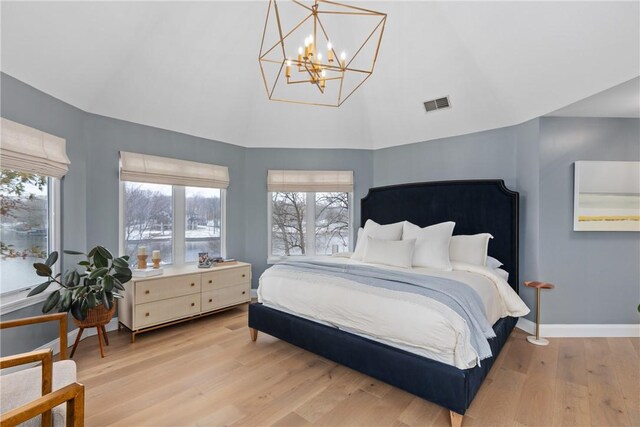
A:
(458, 296)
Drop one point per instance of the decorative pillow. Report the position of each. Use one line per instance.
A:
(377, 231)
(432, 244)
(398, 253)
(470, 249)
(493, 263)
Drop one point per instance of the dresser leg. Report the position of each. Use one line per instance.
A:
(253, 333)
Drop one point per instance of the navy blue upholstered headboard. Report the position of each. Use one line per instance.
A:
(476, 206)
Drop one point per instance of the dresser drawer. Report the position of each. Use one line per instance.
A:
(166, 310)
(227, 277)
(219, 298)
(167, 287)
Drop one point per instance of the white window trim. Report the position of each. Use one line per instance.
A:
(311, 228)
(178, 227)
(17, 299)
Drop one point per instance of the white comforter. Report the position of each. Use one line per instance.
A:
(411, 322)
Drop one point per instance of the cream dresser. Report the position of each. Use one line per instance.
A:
(180, 294)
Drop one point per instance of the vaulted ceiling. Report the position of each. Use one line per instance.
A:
(192, 67)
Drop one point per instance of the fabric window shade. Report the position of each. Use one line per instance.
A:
(164, 170)
(29, 150)
(307, 181)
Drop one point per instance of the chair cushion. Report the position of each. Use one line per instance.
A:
(22, 387)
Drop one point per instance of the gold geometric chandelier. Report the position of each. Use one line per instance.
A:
(318, 53)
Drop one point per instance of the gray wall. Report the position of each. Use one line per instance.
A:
(479, 155)
(28, 106)
(596, 273)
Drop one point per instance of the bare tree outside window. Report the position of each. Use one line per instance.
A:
(332, 222)
(148, 218)
(288, 222)
(290, 213)
(203, 216)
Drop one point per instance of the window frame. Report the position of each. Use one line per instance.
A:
(310, 226)
(17, 298)
(178, 238)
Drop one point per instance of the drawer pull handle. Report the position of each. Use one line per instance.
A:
(210, 281)
(210, 299)
(244, 275)
(193, 304)
(146, 292)
(146, 315)
(193, 284)
(244, 292)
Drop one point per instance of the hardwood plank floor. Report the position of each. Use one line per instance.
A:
(208, 373)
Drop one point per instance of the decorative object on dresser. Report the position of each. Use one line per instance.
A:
(476, 206)
(181, 294)
(88, 295)
(538, 286)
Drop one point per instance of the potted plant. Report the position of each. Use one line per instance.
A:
(87, 294)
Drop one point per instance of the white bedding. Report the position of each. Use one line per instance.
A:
(408, 321)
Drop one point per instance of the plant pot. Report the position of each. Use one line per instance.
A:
(96, 316)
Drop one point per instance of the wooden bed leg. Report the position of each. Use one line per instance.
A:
(253, 333)
(456, 419)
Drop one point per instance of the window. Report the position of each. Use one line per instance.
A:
(148, 219)
(309, 223)
(27, 205)
(174, 206)
(309, 212)
(154, 215)
(203, 222)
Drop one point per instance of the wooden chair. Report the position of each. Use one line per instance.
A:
(20, 390)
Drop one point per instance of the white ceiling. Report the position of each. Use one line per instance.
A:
(619, 101)
(192, 67)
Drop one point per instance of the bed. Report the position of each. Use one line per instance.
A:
(477, 206)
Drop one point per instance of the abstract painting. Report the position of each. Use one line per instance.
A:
(606, 196)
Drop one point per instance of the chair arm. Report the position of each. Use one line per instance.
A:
(60, 317)
(73, 394)
(46, 357)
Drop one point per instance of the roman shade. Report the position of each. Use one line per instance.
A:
(301, 180)
(165, 170)
(29, 150)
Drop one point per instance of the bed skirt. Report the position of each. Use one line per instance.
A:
(434, 381)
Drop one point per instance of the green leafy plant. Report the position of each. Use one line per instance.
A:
(100, 278)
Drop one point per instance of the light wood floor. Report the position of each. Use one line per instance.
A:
(208, 372)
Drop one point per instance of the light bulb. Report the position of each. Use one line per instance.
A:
(300, 51)
(288, 62)
(329, 46)
(343, 55)
(310, 38)
(319, 56)
(306, 42)
(324, 73)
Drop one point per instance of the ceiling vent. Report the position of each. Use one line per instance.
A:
(437, 104)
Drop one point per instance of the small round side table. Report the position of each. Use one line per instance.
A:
(538, 286)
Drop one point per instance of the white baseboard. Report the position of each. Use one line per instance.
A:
(254, 293)
(71, 336)
(580, 331)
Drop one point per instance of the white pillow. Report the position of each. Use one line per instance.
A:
(470, 249)
(432, 244)
(493, 263)
(377, 231)
(501, 273)
(398, 253)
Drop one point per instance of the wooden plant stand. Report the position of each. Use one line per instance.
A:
(96, 318)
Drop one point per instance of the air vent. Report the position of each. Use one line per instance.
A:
(437, 104)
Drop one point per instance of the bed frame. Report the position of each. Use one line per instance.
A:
(476, 206)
